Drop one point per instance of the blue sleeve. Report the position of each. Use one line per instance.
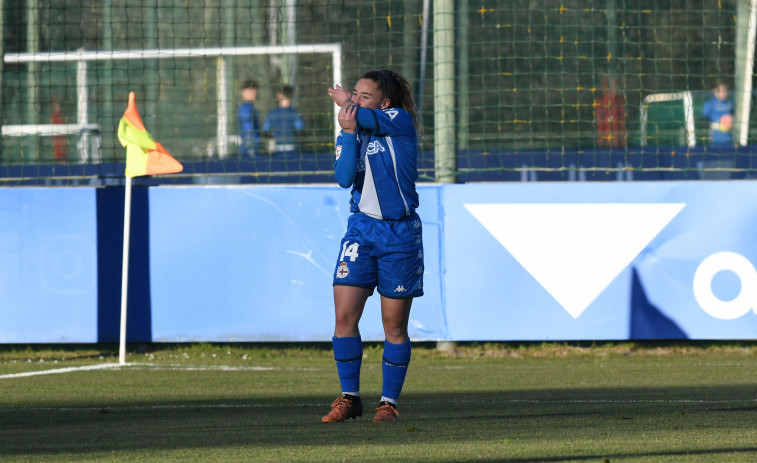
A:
(345, 166)
(391, 121)
(245, 117)
(255, 121)
(709, 110)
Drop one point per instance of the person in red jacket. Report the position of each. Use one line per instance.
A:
(59, 141)
(611, 116)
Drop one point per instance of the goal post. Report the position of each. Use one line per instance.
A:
(82, 57)
(688, 114)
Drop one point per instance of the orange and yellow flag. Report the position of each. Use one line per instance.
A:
(144, 156)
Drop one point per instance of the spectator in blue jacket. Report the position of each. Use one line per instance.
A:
(283, 123)
(249, 125)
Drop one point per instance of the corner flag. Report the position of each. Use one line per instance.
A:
(144, 156)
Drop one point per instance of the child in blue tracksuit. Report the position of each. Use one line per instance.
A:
(719, 112)
(376, 155)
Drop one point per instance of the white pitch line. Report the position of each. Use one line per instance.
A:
(175, 366)
(61, 370)
(142, 365)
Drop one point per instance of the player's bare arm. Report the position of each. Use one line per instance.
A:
(346, 118)
(339, 95)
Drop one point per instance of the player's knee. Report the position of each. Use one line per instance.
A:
(396, 334)
(347, 321)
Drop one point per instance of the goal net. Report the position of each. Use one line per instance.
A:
(543, 89)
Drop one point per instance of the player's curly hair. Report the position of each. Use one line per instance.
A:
(397, 89)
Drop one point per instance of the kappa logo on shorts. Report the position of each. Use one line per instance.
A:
(416, 224)
(342, 271)
(338, 151)
(400, 289)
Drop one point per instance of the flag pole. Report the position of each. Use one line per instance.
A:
(144, 156)
(125, 271)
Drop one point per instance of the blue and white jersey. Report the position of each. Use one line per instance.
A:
(380, 162)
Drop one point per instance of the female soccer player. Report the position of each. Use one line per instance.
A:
(376, 155)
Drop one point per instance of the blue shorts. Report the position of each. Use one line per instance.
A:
(383, 254)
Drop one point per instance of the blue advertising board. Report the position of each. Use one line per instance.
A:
(256, 264)
(48, 265)
(607, 261)
(503, 262)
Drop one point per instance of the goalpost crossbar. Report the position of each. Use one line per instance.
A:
(81, 57)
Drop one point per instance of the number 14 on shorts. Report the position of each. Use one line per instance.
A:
(349, 250)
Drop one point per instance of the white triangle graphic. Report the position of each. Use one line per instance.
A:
(574, 250)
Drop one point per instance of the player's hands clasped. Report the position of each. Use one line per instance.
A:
(347, 114)
(346, 117)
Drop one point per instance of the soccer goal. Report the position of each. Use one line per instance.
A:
(681, 108)
(85, 127)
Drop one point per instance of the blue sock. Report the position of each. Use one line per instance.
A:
(396, 360)
(348, 353)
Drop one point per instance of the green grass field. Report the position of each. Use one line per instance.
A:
(483, 402)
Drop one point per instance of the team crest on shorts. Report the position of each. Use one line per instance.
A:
(338, 151)
(342, 271)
